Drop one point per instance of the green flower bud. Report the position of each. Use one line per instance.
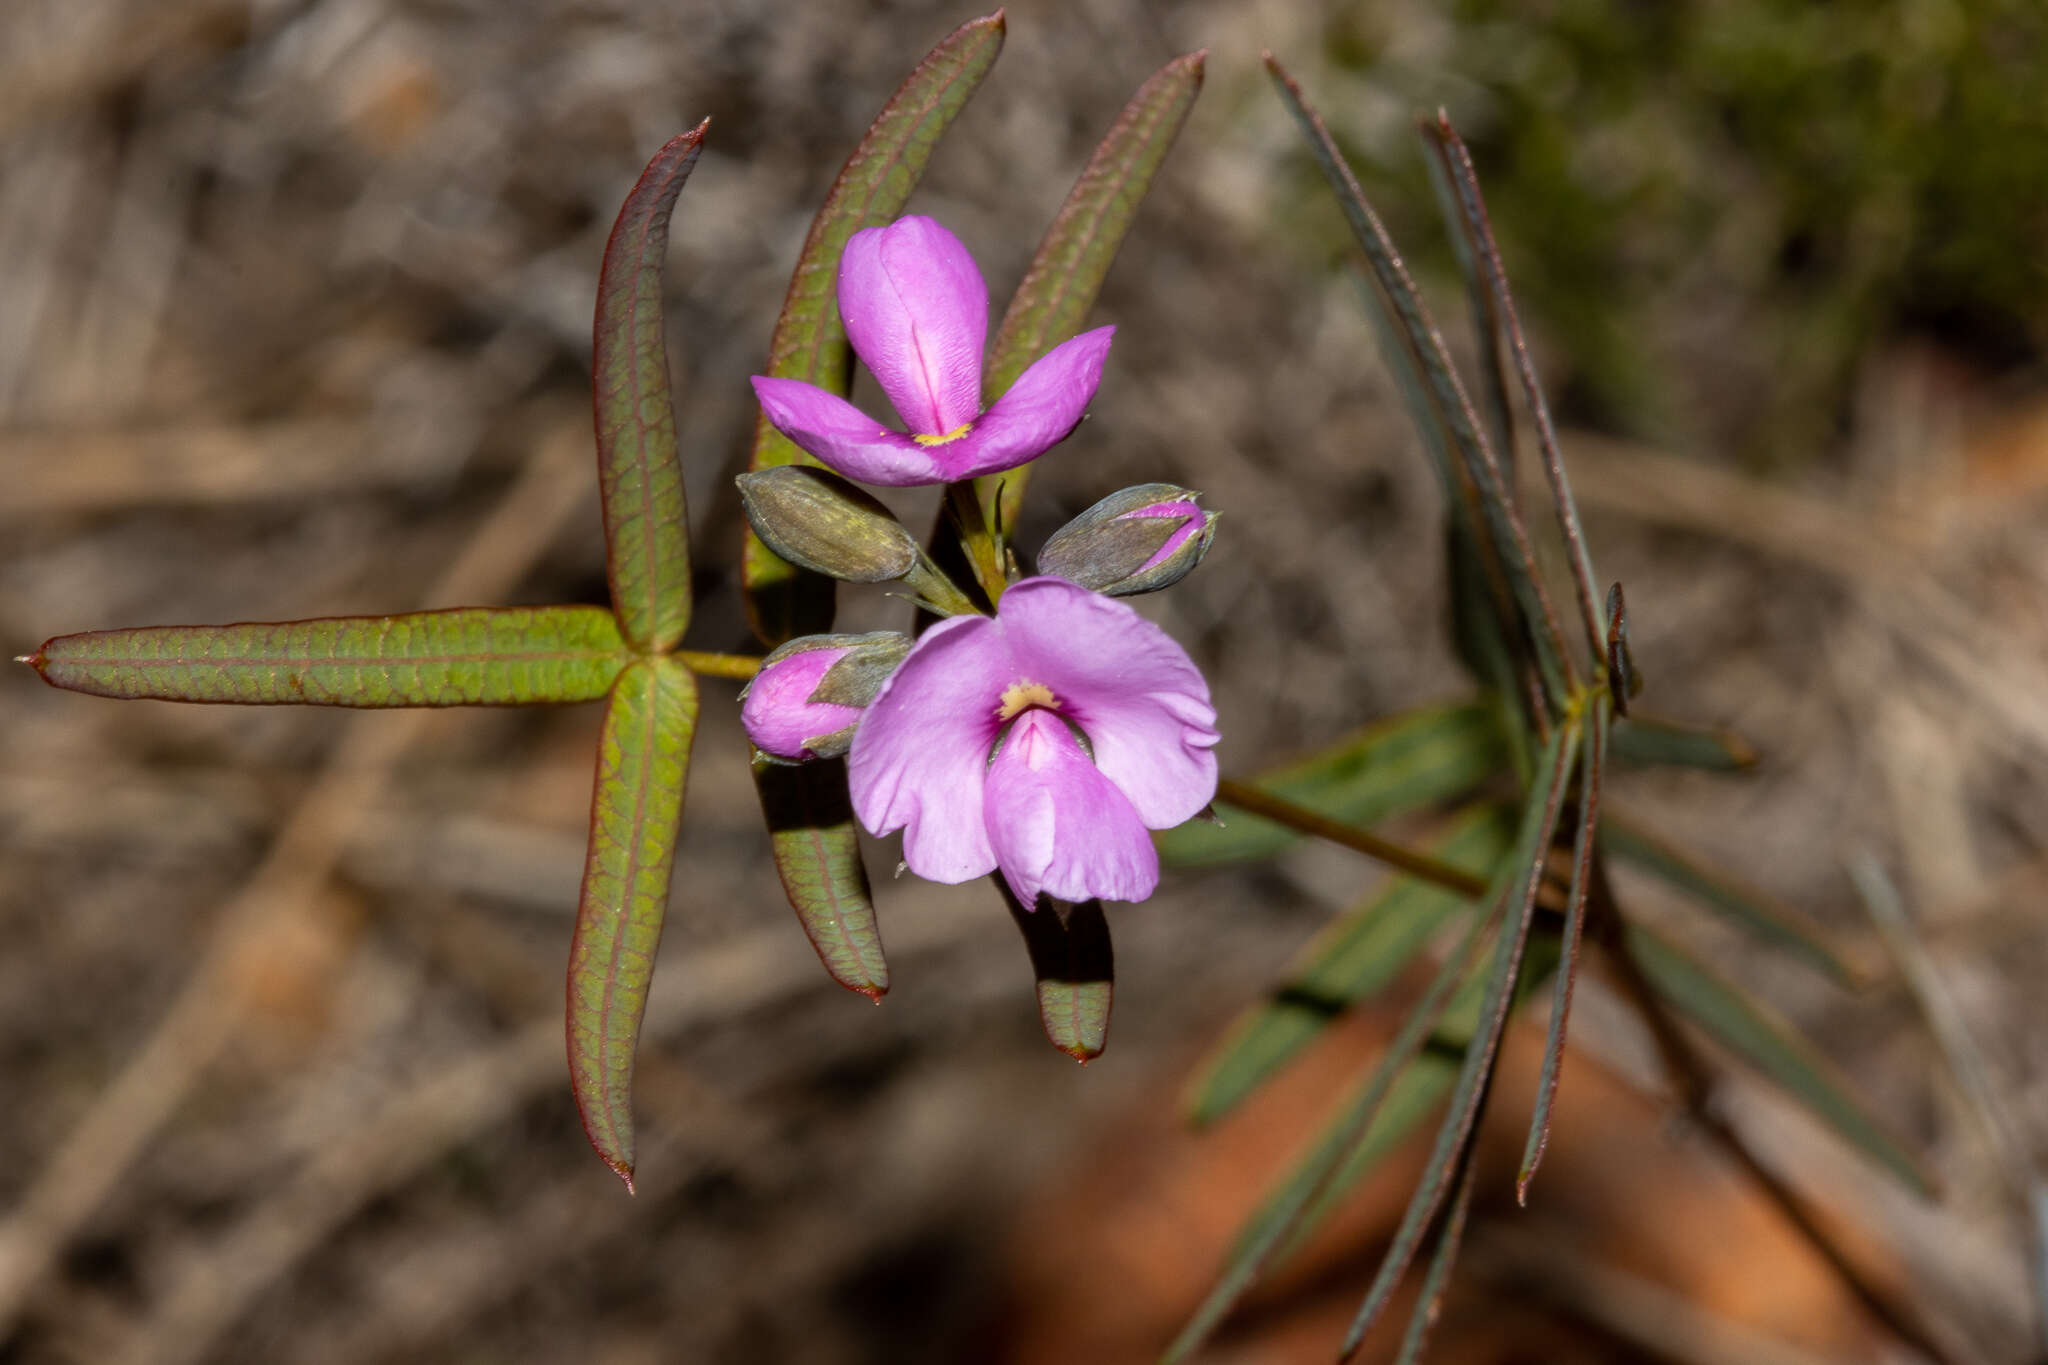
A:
(1139, 540)
(821, 522)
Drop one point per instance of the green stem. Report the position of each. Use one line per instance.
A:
(719, 665)
(1281, 811)
(983, 555)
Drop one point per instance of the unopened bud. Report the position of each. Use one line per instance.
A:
(1139, 540)
(820, 521)
(809, 694)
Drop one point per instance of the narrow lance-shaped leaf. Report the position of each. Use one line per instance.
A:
(1748, 1030)
(1067, 272)
(639, 472)
(1654, 742)
(809, 341)
(1764, 916)
(469, 656)
(1494, 512)
(1455, 164)
(817, 854)
(1592, 769)
(1532, 849)
(1074, 967)
(1405, 763)
(1400, 1088)
(1429, 1304)
(643, 758)
(1357, 955)
(1488, 330)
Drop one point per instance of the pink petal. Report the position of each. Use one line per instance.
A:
(1194, 521)
(835, 431)
(778, 713)
(916, 309)
(1128, 685)
(1058, 824)
(1041, 409)
(921, 753)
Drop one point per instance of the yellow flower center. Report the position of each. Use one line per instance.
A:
(1021, 696)
(955, 434)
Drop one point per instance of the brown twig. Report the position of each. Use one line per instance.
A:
(1281, 811)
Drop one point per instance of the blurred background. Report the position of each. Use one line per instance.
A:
(294, 320)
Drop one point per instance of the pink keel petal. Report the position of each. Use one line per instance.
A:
(777, 710)
(835, 431)
(1041, 409)
(1123, 680)
(1058, 825)
(920, 755)
(916, 309)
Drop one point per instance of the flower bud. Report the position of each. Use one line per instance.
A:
(809, 694)
(823, 523)
(1139, 540)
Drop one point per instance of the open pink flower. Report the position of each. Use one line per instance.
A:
(1044, 741)
(916, 311)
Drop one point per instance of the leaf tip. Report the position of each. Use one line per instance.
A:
(624, 1171)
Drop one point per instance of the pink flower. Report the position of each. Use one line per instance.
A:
(916, 311)
(809, 694)
(1043, 741)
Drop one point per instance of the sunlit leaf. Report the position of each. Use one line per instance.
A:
(809, 341)
(1592, 768)
(1762, 915)
(1750, 1031)
(470, 656)
(1074, 968)
(1067, 272)
(639, 474)
(1405, 763)
(643, 758)
(1504, 983)
(1647, 741)
(1356, 956)
(817, 853)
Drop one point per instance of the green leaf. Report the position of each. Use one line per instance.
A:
(1647, 741)
(639, 473)
(809, 342)
(1592, 768)
(817, 854)
(1357, 955)
(1747, 1029)
(1504, 982)
(1065, 276)
(1769, 919)
(1449, 425)
(1400, 1088)
(471, 656)
(1074, 967)
(643, 759)
(1470, 224)
(1405, 763)
(1429, 1303)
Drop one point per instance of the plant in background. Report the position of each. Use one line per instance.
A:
(1038, 730)
(1524, 882)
